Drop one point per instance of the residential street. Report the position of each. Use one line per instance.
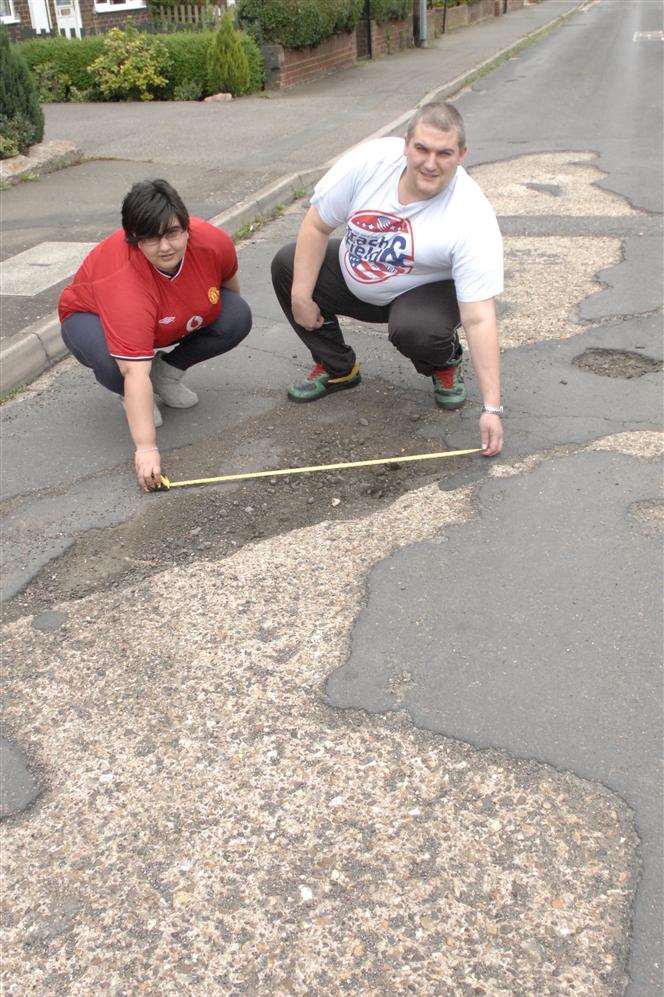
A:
(382, 731)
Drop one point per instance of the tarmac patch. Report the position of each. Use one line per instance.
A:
(552, 183)
(545, 279)
(270, 843)
(617, 363)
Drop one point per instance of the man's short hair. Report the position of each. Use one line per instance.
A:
(441, 115)
(148, 208)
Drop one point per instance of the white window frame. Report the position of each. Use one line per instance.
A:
(10, 18)
(102, 7)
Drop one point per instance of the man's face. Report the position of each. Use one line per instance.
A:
(432, 157)
(166, 251)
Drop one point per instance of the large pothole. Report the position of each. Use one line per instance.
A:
(616, 363)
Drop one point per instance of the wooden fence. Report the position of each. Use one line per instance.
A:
(189, 13)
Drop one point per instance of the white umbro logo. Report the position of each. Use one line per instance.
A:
(167, 320)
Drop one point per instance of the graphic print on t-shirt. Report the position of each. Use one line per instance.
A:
(379, 245)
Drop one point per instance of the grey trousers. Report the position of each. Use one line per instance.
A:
(421, 323)
(84, 336)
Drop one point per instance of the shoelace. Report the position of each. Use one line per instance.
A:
(316, 372)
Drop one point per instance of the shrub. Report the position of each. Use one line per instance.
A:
(389, 10)
(187, 51)
(62, 66)
(297, 23)
(70, 58)
(131, 65)
(228, 66)
(190, 90)
(22, 117)
(255, 62)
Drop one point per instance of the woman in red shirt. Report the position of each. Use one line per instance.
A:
(162, 279)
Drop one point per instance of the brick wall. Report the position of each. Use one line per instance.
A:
(95, 23)
(287, 67)
(479, 10)
(391, 36)
(457, 17)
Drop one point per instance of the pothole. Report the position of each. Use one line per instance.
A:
(649, 513)
(616, 363)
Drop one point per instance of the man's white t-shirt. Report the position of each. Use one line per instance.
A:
(389, 248)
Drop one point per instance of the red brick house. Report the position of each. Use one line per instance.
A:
(72, 18)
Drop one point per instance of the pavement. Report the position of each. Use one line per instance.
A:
(392, 732)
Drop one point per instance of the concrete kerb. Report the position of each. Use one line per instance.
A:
(39, 346)
(44, 157)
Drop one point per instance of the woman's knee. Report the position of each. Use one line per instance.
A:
(236, 317)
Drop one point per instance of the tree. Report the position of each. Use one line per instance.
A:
(227, 63)
(21, 117)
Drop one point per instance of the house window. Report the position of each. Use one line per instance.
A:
(7, 15)
(104, 6)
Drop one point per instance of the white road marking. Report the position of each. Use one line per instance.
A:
(648, 36)
(32, 271)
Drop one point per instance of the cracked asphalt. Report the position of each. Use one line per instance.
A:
(407, 741)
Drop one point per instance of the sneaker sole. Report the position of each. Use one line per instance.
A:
(450, 406)
(328, 391)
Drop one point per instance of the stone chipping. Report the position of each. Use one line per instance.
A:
(209, 825)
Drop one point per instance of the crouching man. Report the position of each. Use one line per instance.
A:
(421, 253)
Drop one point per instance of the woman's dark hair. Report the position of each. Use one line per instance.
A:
(148, 209)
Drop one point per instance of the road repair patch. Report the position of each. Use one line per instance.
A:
(214, 827)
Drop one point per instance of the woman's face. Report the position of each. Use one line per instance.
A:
(165, 251)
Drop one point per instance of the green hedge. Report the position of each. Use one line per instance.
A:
(298, 23)
(188, 67)
(61, 65)
(70, 58)
(389, 10)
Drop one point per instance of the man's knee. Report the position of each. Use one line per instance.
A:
(282, 265)
(407, 336)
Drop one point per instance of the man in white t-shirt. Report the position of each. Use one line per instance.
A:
(421, 252)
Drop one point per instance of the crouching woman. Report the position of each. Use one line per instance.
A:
(162, 280)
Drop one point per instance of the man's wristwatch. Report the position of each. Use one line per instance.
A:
(493, 409)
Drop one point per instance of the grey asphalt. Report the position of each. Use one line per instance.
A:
(547, 642)
(217, 155)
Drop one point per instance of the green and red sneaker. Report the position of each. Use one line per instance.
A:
(319, 383)
(449, 390)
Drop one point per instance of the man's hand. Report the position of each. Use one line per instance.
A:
(148, 469)
(491, 431)
(307, 313)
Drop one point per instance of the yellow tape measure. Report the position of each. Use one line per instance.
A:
(167, 484)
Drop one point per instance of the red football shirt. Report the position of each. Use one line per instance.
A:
(141, 308)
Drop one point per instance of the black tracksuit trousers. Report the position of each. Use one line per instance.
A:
(421, 323)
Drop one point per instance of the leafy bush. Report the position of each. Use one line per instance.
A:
(22, 117)
(131, 65)
(70, 59)
(297, 23)
(227, 63)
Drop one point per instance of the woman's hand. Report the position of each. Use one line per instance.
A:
(147, 464)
